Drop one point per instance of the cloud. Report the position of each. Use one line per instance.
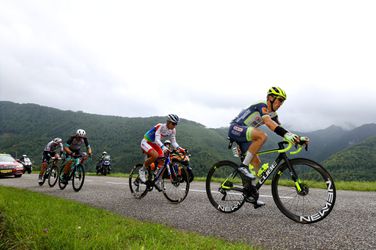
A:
(205, 60)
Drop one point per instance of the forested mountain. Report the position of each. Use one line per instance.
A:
(27, 128)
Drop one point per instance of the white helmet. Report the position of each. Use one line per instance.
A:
(104, 153)
(24, 156)
(167, 142)
(58, 140)
(173, 118)
(80, 133)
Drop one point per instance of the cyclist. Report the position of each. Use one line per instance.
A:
(49, 152)
(153, 147)
(72, 149)
(167, 143)
(244, 130)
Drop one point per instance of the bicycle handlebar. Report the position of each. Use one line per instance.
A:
(299, 147)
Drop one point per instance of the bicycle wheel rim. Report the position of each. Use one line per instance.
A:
(175, 187)
(137, 188)
(53, 176)
(316, 198)
(221, 180)
(78, 178)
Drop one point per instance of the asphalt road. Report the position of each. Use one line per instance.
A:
(351, 224)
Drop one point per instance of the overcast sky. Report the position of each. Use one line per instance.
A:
(203, 60)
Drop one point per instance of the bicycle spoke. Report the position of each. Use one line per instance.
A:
(313, 201)
(221, 184)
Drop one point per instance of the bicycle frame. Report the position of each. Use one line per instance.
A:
(280, 158)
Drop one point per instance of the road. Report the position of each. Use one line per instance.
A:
(351, 225)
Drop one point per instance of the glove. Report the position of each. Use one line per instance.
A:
(181, 150)
(290, 137)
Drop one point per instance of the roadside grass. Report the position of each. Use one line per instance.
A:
(31, 220)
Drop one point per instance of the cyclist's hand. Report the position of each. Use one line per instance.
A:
(291, 137)
(181, 150)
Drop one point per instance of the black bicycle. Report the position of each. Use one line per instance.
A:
(50, 173)
(76, 174)
(174, 180)
(302, 189)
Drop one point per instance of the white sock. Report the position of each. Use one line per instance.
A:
(248, 158)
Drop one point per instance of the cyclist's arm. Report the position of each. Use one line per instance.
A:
(174, 144)
(67, 145)
(87, 146)
(272, 125)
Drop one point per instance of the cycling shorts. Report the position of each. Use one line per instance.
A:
(242, 135)
(148, 146)
(47, 156)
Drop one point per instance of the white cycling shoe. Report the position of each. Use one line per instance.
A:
(142, 174)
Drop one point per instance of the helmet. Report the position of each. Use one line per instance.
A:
(104, 153)
(80, 132)
(58, 140)
(173, 118)
(277, 91)
(167, 142)
(24, 156)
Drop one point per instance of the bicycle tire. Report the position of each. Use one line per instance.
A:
(221, 180)
(62, 185)
(43, 180)
(138, 189)
(54, 174)
(78, 177)
(316, 198)
(175, 187)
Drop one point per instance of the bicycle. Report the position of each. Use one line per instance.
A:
(76, 173)
(174, 185)
(301, 188)
(182, 160)
(50, 171)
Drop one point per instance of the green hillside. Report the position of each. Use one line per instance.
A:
(27, 128)
(357, 162)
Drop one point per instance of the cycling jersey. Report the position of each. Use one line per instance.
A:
(252, 117)
(160, 131)
(49, 150)
(51, 146)
(74, 143)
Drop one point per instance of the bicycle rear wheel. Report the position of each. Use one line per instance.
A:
(53, 176)
(176, 185)
(138, 188)
(224, 187)
(315, 197)
(78, 177)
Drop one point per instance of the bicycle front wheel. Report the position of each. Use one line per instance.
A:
(176, 185)
(78, 178)
(224, 187)
(138, 188)
(310, 198)
(53, 176)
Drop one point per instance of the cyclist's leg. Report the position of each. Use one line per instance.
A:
(66, 169)
(258, 138)
(151, 150)
(242, 135)
(45, 159)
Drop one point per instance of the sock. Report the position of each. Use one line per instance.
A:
(248, 158)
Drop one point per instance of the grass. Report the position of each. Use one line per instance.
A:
(31, 220)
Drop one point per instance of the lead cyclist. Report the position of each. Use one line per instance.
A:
(244, 130)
